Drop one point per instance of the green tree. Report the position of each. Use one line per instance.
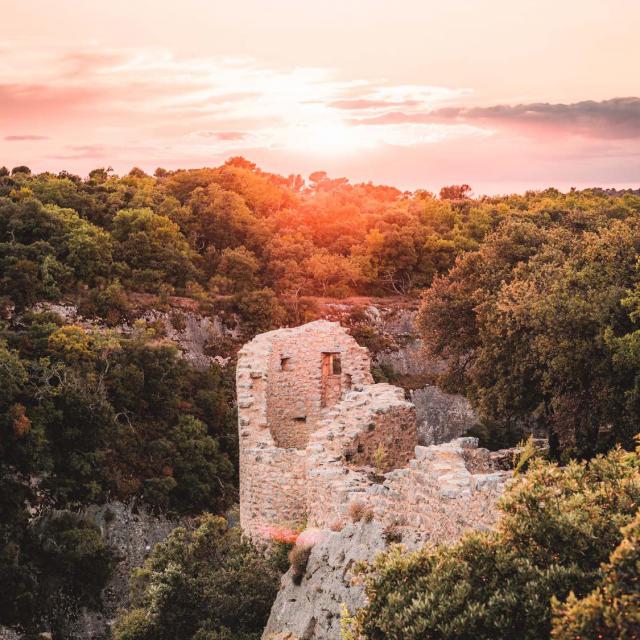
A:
(206, 583)
(50, 568)
(237, 271)
(153, 248)
(260, 310)
(528, 326)
(196, 475)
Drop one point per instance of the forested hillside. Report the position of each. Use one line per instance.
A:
(533, 302)
(230, 231)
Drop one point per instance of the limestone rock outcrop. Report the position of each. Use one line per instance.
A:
(312, 609)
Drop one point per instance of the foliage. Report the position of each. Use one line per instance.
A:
(538, 325)
(49, 568)
(612, 610)
(153, 249)
(525, 452)
(207, 583)
(103, 415)
(299, 558)
(229, 230)
(357, 510)
(558, 525)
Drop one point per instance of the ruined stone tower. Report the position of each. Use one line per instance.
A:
(307, 406)
(316, 435)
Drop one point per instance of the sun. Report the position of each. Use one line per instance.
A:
(327, 138)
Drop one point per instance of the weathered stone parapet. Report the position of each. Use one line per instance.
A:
(438, 497)
(372, 430)
(431, 501)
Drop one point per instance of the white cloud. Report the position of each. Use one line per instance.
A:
(125, 95)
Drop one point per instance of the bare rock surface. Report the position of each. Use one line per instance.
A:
(132, 533)
(311, 610)
(441, 416)
(202, 340)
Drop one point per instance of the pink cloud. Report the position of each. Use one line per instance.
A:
(83, 151)
(223, 135)
(32, 101)
(363, 103)
(23, 138)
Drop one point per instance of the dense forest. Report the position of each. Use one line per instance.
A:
(532, 301)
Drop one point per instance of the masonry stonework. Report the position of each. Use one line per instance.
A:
(316, 435)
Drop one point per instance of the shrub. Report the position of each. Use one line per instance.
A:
(357, 510)
(299, 557)
(392, 533)
(71, 549)
(178, 320)
(279, 554)
(259, 310)
(112, 303)
(337, 525)
(612, 610)
(380, 459)
(50, 568)
(558, 525)
(206, 583)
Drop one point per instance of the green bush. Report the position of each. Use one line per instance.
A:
(50, 568)
(207, 584)
(98, 414)
(612, 610)
(558, 525)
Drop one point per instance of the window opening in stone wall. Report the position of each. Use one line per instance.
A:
(331, 379)
(348, 381)
(331, 364)
(285, 364)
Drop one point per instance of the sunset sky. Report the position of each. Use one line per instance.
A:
(504, 95)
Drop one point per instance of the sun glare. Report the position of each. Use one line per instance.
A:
(330, 137)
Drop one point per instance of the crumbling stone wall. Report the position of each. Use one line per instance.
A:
(433, 501)
(305, 376)
(316, 435)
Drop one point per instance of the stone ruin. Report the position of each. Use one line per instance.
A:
(317, 435)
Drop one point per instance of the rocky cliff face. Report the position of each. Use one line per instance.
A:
(131, 532)
(201, 339)
(441, 416)
(312, 608)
